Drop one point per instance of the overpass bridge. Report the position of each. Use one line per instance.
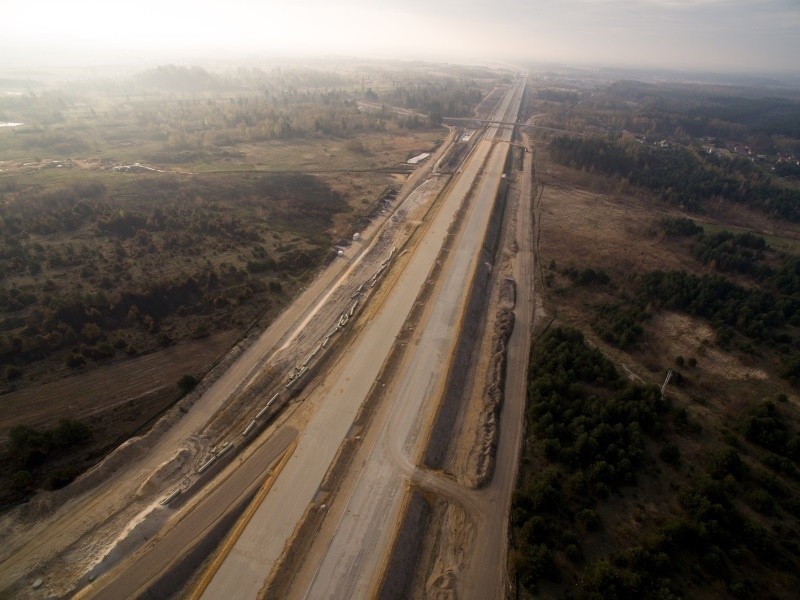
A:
(477, 121)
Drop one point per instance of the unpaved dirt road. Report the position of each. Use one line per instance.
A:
(486, 576)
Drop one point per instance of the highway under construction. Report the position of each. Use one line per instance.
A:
(319, 463)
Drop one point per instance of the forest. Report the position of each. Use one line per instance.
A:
(223, 183)
(751, 318)
(118, 301)
(188, 114)
(597, 439)
(682, 177)
(765, 119)
(669, 258)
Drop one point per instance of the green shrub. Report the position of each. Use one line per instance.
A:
(679, 226)
(762, 501)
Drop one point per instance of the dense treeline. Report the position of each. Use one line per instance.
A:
(712, 539)
(774, 116)
(591, 434)
(558, 95)
(620, 323)
(687, 112)
(762, 315)
(214, 112)
(33, 454)
(437, 99)
(679, 227)
(679, 175)
(744, 253)
(726, 251)
(173, 204)
(590, 424)
(704, 110)
(756, 313)
(194, 123)
(178, 78)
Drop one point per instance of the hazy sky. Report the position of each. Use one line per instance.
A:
(742, 35)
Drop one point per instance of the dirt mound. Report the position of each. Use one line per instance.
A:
(455, 536)
(156, 481)
(481, 459)
(45, 503)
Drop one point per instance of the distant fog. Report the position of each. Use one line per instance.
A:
(729, 35)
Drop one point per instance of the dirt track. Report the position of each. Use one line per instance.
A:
(103, 389)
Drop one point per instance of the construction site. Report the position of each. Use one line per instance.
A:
(364, 445)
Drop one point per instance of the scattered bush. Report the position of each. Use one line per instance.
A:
(679, 226)
(13, 372)
(670, 454)
(186, 384)
(75, 361)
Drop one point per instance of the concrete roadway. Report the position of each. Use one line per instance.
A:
(261, 544)
(350, 567)
(354, 555)
(132, 580)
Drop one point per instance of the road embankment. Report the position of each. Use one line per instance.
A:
(473, 321)
(399, 573)
(482, 460)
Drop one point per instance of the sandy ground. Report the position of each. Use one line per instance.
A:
(344, 390)
(321, 503)
(447, 553)
(685, 336)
